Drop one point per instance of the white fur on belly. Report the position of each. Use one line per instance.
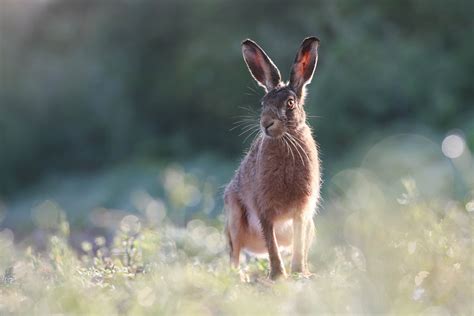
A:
(256, 245)
(280, 226)
(254, 222)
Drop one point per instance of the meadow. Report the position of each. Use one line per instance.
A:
(391, 239)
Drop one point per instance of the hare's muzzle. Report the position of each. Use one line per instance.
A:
(272, 127)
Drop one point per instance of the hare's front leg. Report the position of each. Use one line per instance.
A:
(309, 237)
(276, 264)
(299, 241)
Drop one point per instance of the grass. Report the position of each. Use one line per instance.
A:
(387, 243)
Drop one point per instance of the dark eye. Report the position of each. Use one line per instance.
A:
(290, 104)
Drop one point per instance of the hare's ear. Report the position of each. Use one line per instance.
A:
(261, 67)
(304, 65)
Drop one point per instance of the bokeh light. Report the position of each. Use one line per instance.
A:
(6, 237)
(130, 225)
(470, 206)
(453, 146)
(411, 157)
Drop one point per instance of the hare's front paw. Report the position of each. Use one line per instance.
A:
(301, 271)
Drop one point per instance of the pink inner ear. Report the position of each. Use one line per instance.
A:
(303, 63)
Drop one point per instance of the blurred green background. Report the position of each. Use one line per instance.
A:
(95, 93)
(116, 143)
(86, 84)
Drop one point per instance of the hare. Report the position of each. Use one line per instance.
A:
(274, 193)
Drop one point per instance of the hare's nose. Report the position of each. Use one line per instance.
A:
(268, 125)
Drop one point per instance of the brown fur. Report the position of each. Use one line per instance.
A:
(271, 199)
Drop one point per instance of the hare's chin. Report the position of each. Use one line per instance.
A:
(274, 136)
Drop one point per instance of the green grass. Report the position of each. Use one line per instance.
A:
(169, 270)
(417, 262)
(389, 241)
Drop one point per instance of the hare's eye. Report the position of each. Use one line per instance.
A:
(290, 104)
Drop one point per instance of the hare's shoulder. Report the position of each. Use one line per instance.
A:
(255, 146)
(250, 158)
(248, 165)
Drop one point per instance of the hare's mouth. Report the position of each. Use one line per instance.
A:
(273, 129)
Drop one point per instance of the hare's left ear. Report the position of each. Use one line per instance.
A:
(304, 65)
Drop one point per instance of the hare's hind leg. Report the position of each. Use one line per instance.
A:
(234, 250)
(234, 229)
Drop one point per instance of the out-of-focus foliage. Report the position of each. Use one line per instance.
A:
(391, 240)
(85, 83)
(94, 203)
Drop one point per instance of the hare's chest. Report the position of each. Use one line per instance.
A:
(286, 186)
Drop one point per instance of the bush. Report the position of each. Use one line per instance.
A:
(89, 83)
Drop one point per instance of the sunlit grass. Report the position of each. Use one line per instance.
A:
(389, 241)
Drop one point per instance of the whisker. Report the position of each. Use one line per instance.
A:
(249, 126)
(250, 114)
(248, 109)
(292, 146)
(248, 129)
(244, 121)
(253, 116)
(253, 90)
(253, 132)
(249, 122)
(243, 126)
(300, 146)
(284, 143)
(289, 149)
(297, 145)
(280, 140)
(256, 137)
(248, 118)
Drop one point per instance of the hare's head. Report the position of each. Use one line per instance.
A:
(282, 105)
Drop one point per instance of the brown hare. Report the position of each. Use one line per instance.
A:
(273, 195)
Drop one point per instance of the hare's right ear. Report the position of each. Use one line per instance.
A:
(261, 67)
